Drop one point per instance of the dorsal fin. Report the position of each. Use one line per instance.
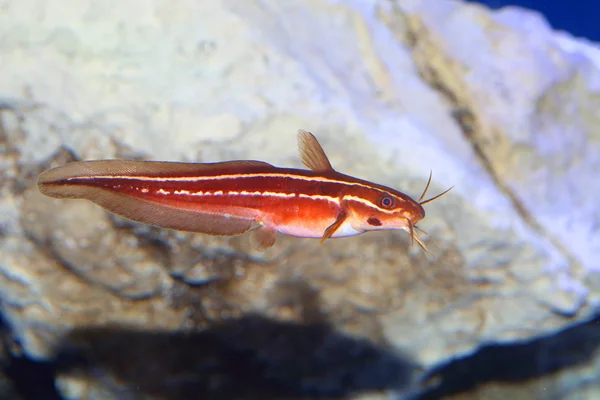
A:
(147, 168)
(311, 152)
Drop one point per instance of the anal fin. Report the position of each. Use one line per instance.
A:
(152, 213)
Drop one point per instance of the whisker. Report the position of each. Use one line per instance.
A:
(423, 247)
(422, 231)
(436, 197)
(426, 187)
(427, 234)
(411, 232)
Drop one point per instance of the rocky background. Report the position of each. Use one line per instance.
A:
(495, 103)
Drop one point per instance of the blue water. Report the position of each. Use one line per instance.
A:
(579, 17)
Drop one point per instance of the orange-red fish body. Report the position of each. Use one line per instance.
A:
(233, 197)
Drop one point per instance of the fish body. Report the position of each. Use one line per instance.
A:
(232, 197)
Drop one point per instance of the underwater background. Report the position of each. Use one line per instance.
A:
(500, 102)
(577, 17)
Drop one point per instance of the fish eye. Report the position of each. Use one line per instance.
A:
(387, 201)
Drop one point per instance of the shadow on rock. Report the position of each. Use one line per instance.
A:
(248, 358)
(518, 363)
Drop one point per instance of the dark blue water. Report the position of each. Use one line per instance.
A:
(579, 17)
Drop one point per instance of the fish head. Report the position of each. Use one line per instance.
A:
(380, 209)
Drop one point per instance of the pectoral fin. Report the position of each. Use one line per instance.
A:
(331, 229)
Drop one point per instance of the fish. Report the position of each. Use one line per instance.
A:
(233, 197)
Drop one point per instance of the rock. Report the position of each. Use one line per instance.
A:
(494, 103)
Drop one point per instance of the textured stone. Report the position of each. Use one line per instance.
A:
(499, 106)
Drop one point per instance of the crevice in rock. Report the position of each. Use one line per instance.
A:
(442, 74)
(30, 379)
(528, 365)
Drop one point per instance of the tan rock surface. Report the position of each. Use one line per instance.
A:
(391, 89)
